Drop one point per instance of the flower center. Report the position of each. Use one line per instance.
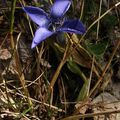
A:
(55, 24)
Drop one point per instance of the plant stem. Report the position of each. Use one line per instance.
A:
(77, 117)
(65, 56)
(105, 69)
(12, 23)
(98, 19)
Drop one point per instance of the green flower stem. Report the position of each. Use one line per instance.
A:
(13, 5)
(12, 22)
(16, 56)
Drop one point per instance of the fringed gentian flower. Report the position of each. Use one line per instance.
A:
(52, 23)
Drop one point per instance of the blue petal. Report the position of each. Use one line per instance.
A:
(59, 8)
(40, 35)
(73, 26)
(38, 15)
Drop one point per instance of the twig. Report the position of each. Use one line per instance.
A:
(105, 69)
(76, 117)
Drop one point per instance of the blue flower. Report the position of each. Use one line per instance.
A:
(54, 22)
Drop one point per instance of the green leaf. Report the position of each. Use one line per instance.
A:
(110, 21)
(83, 92)
(73, 67)
(97, 49)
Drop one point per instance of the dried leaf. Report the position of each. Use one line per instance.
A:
(82, 107)
(1, 19)
(81, 57)
(5, 54)
(106, 102)
(45, 63)
(80, 54)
